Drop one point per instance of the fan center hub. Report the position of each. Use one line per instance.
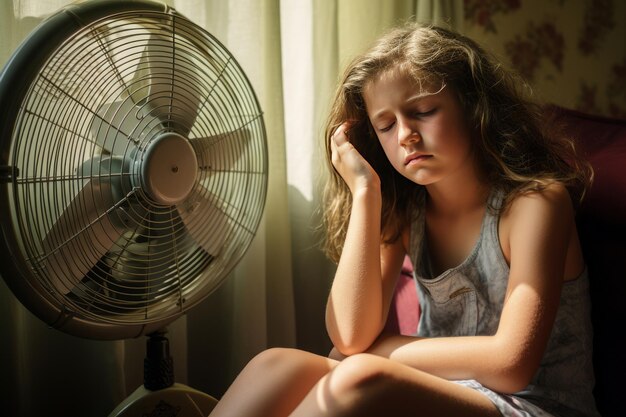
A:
(168, 168)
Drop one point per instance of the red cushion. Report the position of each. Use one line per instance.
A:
(601, 223)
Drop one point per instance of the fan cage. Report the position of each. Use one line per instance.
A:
(96, 244)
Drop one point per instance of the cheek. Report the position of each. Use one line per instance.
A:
(454, 135)
(391, 152)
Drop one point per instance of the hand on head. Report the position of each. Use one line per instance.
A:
(349, 163)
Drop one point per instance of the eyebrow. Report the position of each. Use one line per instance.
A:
(412, 99)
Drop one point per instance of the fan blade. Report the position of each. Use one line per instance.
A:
(143, 261)
(141, 278)
(151, 256)
(207, 222)
(115, 127)
(81, 235)
(173, 96)
(222, 151)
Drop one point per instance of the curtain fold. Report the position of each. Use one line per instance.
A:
(292, 52)
(261, 310)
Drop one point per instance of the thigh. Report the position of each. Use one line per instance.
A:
(367, 385)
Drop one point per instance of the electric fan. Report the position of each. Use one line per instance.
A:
(133, 172)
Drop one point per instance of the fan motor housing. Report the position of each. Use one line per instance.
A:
(166, 169)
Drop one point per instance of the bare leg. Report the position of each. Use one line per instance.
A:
(366, 385)
(273, 384)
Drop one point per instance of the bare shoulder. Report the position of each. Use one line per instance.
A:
(551, 202)
(554, 197)
(535, 216)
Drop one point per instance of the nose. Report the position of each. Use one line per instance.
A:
(406, 132)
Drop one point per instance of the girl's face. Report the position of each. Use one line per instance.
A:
(424, 135)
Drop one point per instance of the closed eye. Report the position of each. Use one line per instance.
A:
(415, 115)
(425, 113)
(386, 128)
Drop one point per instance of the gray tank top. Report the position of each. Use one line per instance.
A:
(467, 300)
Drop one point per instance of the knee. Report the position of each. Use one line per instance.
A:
(280, 360)
(355, 386)
(357, 375)
(273, 357)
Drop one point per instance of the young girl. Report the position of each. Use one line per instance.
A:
(436, 154)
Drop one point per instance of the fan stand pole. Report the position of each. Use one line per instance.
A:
(160, 395)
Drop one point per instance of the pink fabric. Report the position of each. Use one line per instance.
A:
(405, 310)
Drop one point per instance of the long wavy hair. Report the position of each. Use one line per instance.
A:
(516, 146)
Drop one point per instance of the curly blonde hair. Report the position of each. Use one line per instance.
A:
(515, 144)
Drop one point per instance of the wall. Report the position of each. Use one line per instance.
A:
(572, 52)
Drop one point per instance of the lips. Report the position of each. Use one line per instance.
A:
(415, 157)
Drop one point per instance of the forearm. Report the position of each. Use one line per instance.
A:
(483, 358)
(355, 306)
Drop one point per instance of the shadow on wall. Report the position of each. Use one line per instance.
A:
(313, 273)
(209, 336)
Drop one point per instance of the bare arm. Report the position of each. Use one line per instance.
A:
(539, 229)
(359, 297)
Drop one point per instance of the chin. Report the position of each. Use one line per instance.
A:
(421, 179)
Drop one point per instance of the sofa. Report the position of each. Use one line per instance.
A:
(601, 223)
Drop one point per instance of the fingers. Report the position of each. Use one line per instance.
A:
(348, 162)
(338, 139)
(340, 136)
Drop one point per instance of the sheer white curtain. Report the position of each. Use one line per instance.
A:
(318, 38)
(292, 51)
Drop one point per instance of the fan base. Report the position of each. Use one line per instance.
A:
(178, 400)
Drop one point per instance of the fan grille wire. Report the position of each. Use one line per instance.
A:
(142, 259)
